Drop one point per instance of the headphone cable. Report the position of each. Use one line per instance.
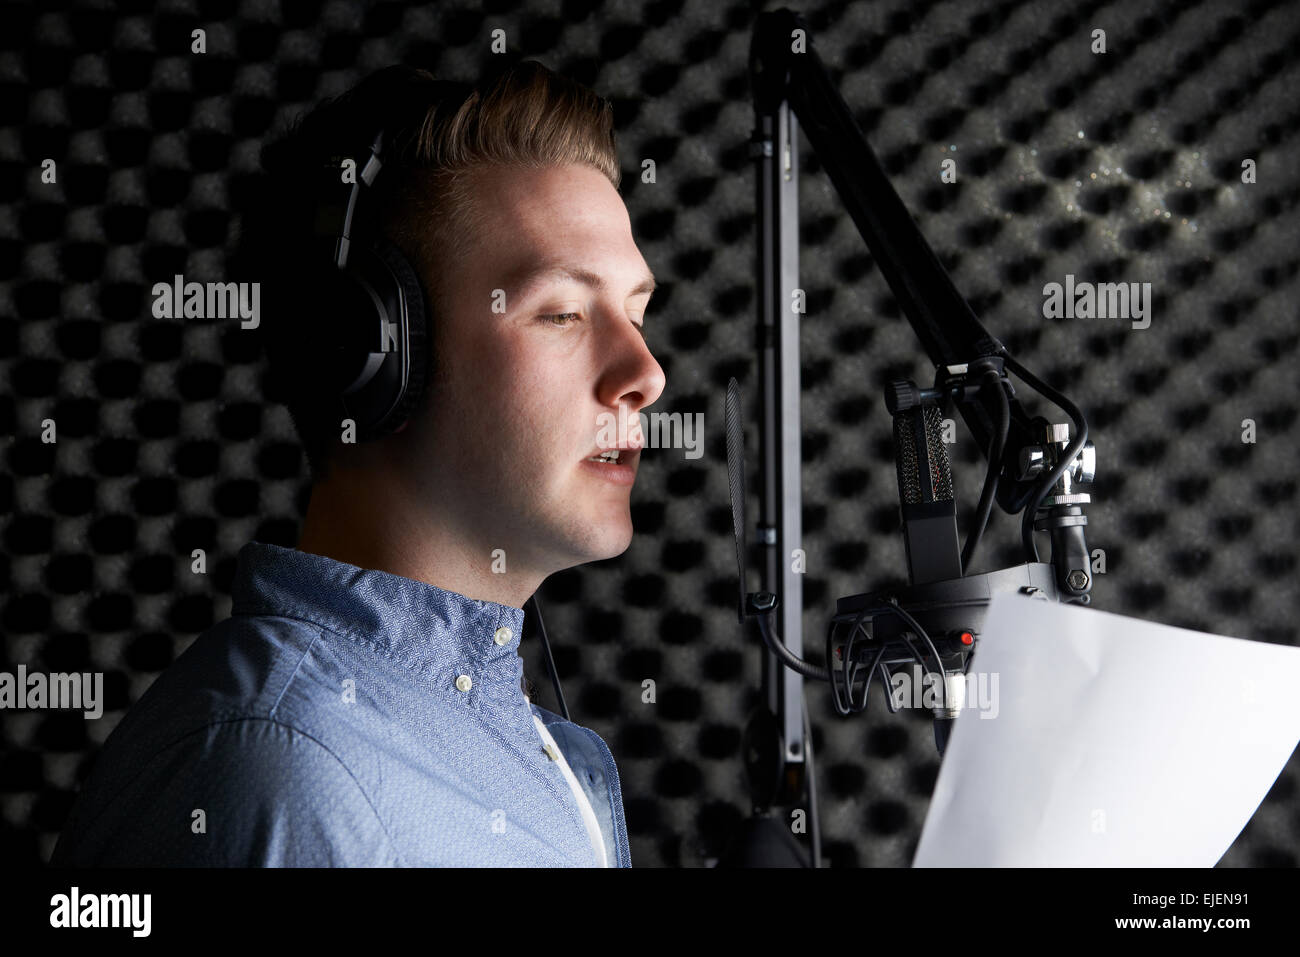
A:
(550, 662)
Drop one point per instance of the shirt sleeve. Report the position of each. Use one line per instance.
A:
(250, 792)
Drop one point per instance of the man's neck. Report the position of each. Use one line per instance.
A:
(367, 523)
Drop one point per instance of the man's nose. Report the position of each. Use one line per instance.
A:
(633, 377)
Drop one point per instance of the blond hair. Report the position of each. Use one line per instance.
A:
(525, 117)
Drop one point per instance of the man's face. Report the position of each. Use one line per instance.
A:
(521, 395)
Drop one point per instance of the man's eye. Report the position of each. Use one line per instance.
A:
(562, 318)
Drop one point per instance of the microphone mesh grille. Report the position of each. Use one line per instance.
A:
(909, 476)
(940, 467)
(936, 455)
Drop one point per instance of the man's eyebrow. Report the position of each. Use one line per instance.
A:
(530, 282)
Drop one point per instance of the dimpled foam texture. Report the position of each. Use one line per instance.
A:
(1123, 166)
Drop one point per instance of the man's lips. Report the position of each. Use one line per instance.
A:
(628, 453)
(622, 472)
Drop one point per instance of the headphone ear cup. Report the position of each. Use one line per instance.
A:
(419, 333)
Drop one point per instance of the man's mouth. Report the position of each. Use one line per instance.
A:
(626, 454)
(618, 465)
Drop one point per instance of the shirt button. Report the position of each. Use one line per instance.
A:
(464, 683)
(502, 635)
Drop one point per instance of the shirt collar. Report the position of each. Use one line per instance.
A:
(440, 635)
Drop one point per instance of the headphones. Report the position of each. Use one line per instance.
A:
(374, 314)
(376, 323)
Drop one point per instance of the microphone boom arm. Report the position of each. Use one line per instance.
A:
(786, 80)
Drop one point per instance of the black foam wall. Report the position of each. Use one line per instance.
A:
(1123, 166)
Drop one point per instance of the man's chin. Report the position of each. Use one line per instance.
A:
(609, 543)
(613, 548)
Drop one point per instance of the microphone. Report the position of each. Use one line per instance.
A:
(937, 619)
(928, 507)
(925, 489)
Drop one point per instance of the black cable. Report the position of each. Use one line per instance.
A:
(850, 666)
(884, 670)
(920, 660)
(846, 707)
(889, 688)
(550, 662)
(876, 662)
(830, 658)
(892, 605)
(993, 474)
(853, 633)
(853, 707)
(866, 687)
(1081, 436)
(876, 665)
(841, 707)
(791, 661)
(897, 608)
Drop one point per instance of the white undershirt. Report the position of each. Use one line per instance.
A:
(584, 805)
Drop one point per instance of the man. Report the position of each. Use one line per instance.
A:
(362, 706)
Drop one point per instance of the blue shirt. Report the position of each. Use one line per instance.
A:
(344, 716)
